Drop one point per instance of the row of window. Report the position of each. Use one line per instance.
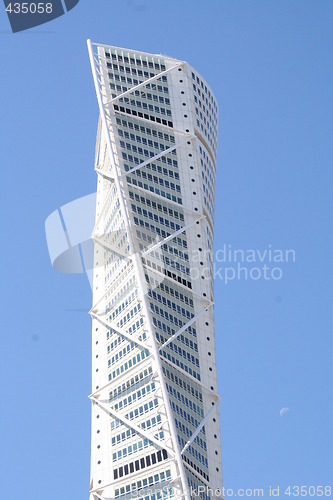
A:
(155, 181)
(180, 364)
(129, 299)
(133, 312)
(117, 239)
(132, 448)
(112, 216)
(207, 114)
(166, 328)
(207, 91)
(118, 341)
(159, 180)
(184, 415)
(113, 221)
(152, 118)
(146, 131)
(169, 263)
(158, 207)
(160, 220)
(144, 152)
(188, 433)
(128, 79)
(147, 96)
(206, 118)
(163, 494)
(130, 384)
(177, 349)
(148, 406)
(129, 70)
(149, 481)
(176, 261)
(174, 292)
(130, 315)
(204, 100)
(173, 306)
(208, 177)
(184, 384)
(166, 159)
(170, 212)
(140, 464)
(135, 396)
(129, 433)
(124, 79)
(181, 338)
(196, 408)
(166, 173)
(116, 295)
(178, 253)
(151, 233)
(181, 353)
(132, 59)
(199, 457)
(121, 354)
(141, 105)
(128, 364)
(194, 482)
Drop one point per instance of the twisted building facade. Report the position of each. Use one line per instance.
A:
(155, 420)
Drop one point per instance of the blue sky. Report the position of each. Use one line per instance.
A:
(269, 64)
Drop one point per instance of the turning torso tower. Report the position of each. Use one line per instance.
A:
(155, 418)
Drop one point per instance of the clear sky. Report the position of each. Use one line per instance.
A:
(270, 66)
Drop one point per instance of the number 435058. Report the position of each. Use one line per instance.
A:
(311, 491)
(29, 8)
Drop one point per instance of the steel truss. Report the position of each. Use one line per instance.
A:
(107, 114)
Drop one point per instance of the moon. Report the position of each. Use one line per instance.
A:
(283, 411)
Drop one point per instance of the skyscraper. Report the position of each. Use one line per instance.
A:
(155, 420)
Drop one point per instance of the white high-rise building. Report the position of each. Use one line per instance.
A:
(155, 418)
